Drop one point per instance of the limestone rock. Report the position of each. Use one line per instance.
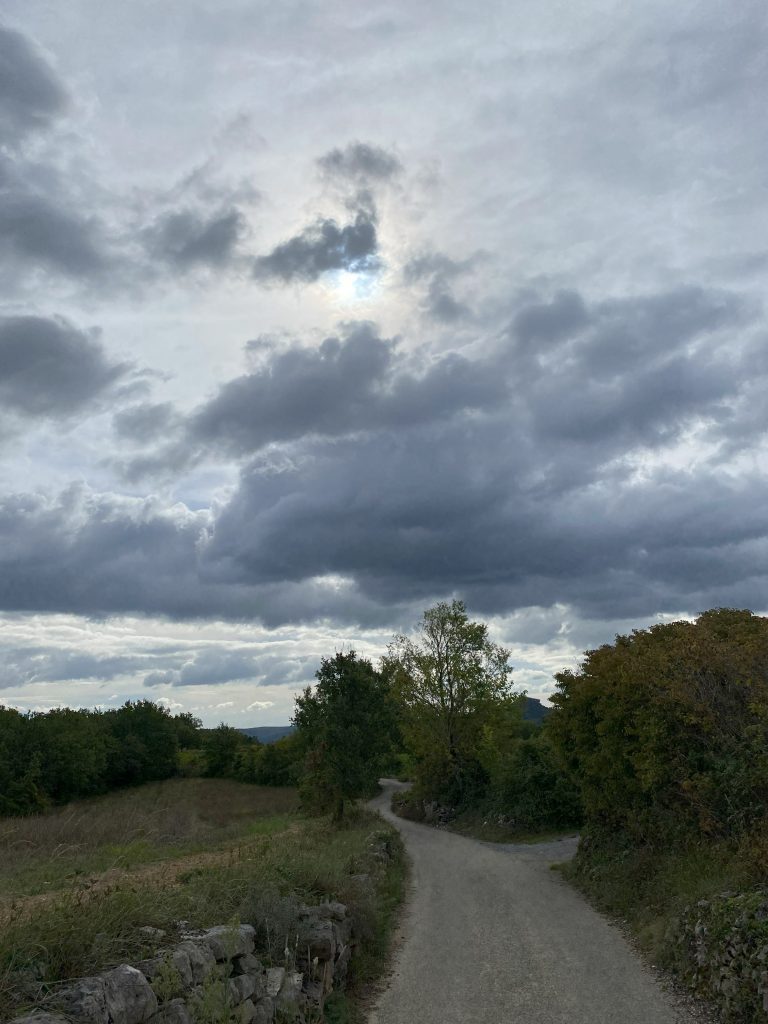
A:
(39, 1017)
(226, 942)
(291, 1000)
(241, 988)
(129, 997)
(246, 964)
(317, 939)
(245, 1012)
(342, 931)
(265, 1011)
(181, 961)
(175, 1011)
(85, 1000)
(275, 976)
(201, 959)
(335, 910)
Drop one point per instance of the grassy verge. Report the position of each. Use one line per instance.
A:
(700, 910)
(262, 880)
(148, 824)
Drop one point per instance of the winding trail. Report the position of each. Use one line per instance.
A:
(492, 936)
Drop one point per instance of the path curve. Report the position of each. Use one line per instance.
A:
(491, 935)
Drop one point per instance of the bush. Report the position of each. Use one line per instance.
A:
(666, 730)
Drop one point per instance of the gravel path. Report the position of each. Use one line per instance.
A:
(492, 936)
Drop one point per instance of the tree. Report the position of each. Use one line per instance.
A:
(345, 723)
(447, 681)
(666, 730)
(221, 748)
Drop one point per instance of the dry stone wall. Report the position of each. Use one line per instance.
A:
(214, 976)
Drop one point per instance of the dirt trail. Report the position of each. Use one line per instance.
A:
(492, 936)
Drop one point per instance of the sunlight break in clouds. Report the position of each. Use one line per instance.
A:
(372, 312)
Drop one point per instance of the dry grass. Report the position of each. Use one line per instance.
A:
(260, 878)
(137, 826)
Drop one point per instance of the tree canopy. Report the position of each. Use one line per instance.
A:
(345, 725)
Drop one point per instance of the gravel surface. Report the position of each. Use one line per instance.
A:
(491, 935)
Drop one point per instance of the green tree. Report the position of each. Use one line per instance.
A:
(222, 748)
(345, 724)
(666, 730)
(448, 681)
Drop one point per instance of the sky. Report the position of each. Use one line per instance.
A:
(315, 314)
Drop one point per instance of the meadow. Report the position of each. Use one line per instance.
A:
(82, 887)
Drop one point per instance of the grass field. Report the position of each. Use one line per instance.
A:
(152, 823)
(78, 885)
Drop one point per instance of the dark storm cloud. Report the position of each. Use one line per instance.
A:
(514, 478)
(35, 232)
(360, 162)
(322, 247)
(41, 227)
(351, 383)
(187, 238)
(49, 368)
(103, 554)
(30, 94)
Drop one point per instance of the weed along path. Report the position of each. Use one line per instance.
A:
(492, 936)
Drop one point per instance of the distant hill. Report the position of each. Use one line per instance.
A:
(535, 711)
(268, 733)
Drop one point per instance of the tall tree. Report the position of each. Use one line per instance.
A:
(346, 724)
(448, 680)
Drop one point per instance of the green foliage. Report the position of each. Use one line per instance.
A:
(345, 724)
(448, 683)
(666, 731)
(527, 783)
(64, 754)
(225, 750)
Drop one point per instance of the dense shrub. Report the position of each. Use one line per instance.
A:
(666, 731)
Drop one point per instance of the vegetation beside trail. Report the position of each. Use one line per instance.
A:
(268, 861)
(475, 763)
(666, 733)
(656, 749)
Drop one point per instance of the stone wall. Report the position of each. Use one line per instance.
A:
(719, 946)
(214, 976)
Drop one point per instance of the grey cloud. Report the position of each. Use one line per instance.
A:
(438, 271)
(144, 423)
(509, 478)
(360, 162)
(352, 383)
(30, 93)
(548, 322)
(322, 247)
(103, 554)
(187, 238)
(49, 368)
(39, 233)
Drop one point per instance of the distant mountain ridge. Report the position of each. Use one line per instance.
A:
(535, 711)
(268, 733)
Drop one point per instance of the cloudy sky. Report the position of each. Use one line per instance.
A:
(313, 314)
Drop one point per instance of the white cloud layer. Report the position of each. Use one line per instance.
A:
(313, 315)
